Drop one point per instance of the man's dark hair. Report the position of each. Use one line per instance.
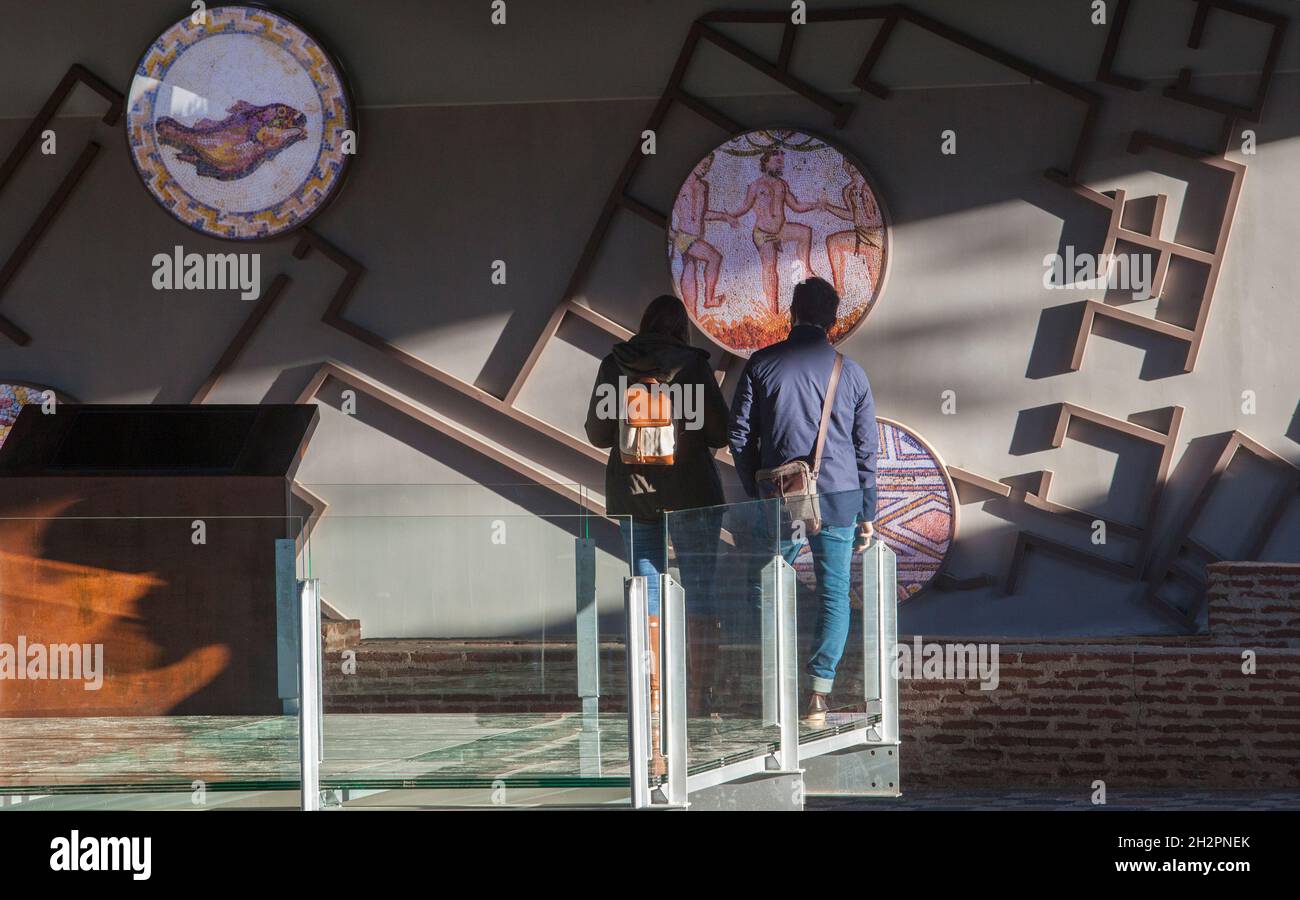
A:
(666, 315)
(815, 303)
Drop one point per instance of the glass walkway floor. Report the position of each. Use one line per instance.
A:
(368, 752)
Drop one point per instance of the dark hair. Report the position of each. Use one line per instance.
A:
(815, 303)
(666, 315)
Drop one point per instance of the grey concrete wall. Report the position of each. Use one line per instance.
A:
(480, 143)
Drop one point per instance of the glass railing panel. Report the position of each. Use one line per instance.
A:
(426, 499)
(718, 554)
(141, 656)
(490, 668)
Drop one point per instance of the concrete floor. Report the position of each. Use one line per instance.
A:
(922, 799)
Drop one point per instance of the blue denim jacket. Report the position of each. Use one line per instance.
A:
(775, 412)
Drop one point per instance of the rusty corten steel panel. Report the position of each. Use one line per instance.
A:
(185, 627)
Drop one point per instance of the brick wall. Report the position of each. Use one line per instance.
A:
(1256, 604)
(1171, 713)
(1164, 713)
(394, 676)
(1066, 715)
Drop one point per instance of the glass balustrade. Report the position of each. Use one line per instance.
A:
(473, 650)
(492, 669)
(142, 661)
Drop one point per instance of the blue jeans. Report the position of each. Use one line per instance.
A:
(695, 543)
(832, 551)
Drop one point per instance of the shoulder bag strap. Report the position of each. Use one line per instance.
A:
(825, 424)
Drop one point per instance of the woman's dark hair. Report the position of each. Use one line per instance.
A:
(666, 315)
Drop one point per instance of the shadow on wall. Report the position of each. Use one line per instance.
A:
(489, 595)
(1058, 329)
(1061, 600)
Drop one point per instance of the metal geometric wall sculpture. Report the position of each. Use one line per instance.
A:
(1191, 333)
(969, 485)
(1173, 563)
(1166, 440)
(1181, 90)
(1209, 262)
(76, 74)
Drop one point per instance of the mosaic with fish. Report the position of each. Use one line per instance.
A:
(238, 126)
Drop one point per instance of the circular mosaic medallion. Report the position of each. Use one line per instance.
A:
(237, 125)
(761, 213)
(14, 395)
(915, 511)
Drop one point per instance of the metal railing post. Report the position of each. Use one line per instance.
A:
(310, 736)
(787, 643)
(887, 637)
(768, 642)
(672, 682)
(638, 688)
(587, 619)
(780, 650)
(871, 607)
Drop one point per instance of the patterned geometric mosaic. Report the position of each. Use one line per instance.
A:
(13, 397)
(236, 125)
(914, 511)
(759, 214)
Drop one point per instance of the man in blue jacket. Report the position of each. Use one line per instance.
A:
(775, 415)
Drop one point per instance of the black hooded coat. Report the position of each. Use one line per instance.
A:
(645, 492)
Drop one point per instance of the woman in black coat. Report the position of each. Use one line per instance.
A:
(661, 350)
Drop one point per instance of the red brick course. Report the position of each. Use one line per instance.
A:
(1170, 718)
(1255, 604)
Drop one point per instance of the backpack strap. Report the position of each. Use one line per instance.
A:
(827, 403)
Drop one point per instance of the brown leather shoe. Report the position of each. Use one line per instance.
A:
(815, 714)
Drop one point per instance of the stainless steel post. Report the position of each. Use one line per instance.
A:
(768, 641)
(588, 655)
(638, 689)
(672, 682)
(309, 694)
(887, 637)
(871, 607)
(787, 643)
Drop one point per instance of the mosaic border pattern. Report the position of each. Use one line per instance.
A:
(14, 395)
(916, 510)
(331, 164)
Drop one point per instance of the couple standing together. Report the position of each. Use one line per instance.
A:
(777, 415)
